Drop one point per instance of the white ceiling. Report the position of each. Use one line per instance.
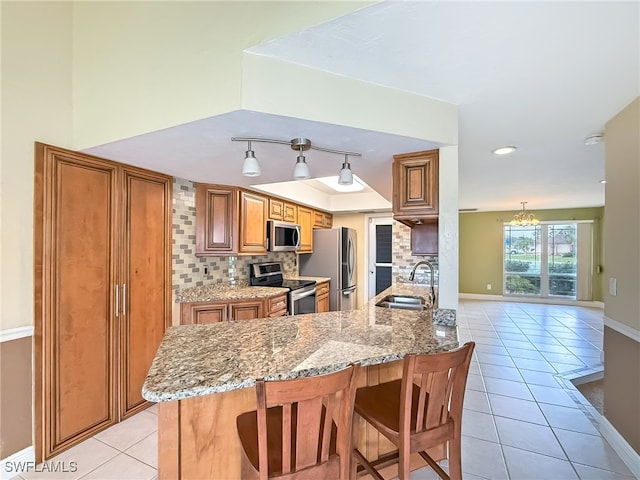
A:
(539, 75)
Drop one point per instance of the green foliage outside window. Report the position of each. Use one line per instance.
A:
(516, 266)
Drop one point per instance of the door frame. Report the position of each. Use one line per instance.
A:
(370, 221)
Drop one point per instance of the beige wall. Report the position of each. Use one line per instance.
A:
(622, 254)
(481, 241)
(161, 64)
(36, 105)
(622, 228)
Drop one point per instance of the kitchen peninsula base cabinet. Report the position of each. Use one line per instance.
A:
(203, 376)
(197, 436)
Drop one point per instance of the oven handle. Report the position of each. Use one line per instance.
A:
(307, 293)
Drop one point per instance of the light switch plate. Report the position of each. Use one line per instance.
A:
(613, 286)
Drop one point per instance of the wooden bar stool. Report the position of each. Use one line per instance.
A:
(418, 412)
(293, 435)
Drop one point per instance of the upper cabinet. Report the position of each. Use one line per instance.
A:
(415, 198)
(322, 219)
(283, 211)
(305, 219)
(415, 187)
(233, 221)
(230, 221)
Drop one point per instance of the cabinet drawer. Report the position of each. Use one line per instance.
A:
(277, 305)
(322, 289)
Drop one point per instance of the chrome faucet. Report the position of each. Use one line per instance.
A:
(433, 300)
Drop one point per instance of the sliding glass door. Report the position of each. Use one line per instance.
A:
(541, 260)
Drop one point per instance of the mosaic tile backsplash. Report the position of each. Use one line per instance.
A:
(403, 261)
(189, 270)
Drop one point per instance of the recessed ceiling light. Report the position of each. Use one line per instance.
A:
(593, 139)
(603, 181)
(504, 150)
(332, 182)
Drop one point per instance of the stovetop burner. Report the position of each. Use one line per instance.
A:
(297, 284)
(271, 275)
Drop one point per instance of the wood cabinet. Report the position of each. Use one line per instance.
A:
(277, 306)
(322, 219)
(424, 238)
(415, 187)
(322, 297)
(246, 309)
(220, 311)
(283, 211)
(230, 221)
(305, 219)
(203, 313)
(102, 259)
(253, 224)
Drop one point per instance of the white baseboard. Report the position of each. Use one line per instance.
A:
(628, 455)
(550, 301)
(16, 333)
(622, 328)
(9, 466)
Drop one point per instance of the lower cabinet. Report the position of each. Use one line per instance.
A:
(322, 297)
(246, 310)
(202, 313)
(278, 305)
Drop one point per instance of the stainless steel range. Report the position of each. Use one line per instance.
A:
(302, 293)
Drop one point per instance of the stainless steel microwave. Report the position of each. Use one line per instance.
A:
(283, 236)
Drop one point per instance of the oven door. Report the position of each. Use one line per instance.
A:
(302, 300)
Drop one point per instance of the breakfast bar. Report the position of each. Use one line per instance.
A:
(203, 376)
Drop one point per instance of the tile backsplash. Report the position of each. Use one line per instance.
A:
(403, 260)
(189, 270)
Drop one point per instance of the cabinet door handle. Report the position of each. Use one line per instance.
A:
(124, 300)
(117, 301)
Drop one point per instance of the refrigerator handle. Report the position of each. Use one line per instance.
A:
(351, 261)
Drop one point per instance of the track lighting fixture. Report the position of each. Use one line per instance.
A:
(251, 167)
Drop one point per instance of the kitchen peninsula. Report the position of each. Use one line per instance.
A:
(203, 375)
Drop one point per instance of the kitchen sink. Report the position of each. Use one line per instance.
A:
(406, 302)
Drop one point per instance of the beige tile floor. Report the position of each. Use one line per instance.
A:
(523, 420)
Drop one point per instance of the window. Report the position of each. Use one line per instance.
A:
(541, 260)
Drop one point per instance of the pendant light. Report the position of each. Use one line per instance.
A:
(346, 176)
(250, 166)
(301, 170)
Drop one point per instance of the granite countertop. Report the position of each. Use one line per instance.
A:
(226, 291)
(196, 360)
(300, 277)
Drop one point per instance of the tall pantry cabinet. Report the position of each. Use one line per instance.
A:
(102, 291)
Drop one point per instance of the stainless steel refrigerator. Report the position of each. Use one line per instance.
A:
(334, 256)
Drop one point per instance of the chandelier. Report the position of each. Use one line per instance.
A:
(251, 167)
(524, 219)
